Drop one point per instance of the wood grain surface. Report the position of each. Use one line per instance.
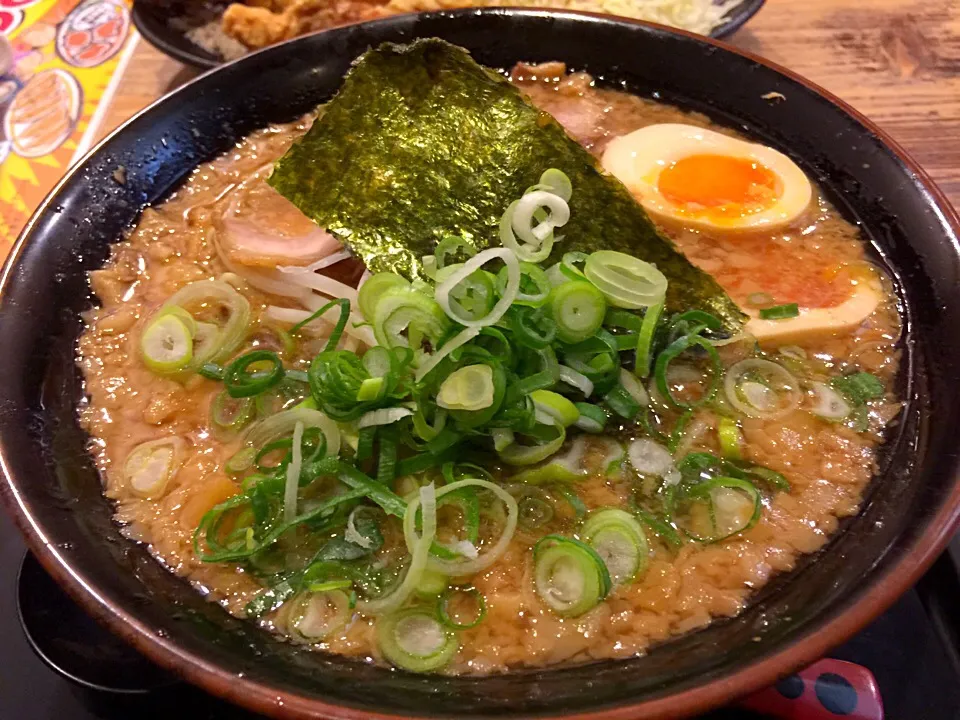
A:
(897, 62)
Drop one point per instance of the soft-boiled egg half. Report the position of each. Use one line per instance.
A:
(708, 180)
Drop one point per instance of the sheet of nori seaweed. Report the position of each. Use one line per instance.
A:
(421, 142)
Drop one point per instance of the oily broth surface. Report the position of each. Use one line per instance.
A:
(827, 465)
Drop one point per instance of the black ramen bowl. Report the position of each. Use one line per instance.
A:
(52, 489)
(165, 24)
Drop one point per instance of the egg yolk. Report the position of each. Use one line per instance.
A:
(719, 186)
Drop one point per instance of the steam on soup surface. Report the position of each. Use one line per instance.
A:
(511, 462)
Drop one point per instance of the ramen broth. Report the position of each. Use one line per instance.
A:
(828, 464)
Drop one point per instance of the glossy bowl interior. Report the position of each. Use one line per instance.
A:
(53, 491)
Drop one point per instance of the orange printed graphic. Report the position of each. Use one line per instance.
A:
(66, 55)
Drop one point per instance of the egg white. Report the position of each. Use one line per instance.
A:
(638, 158)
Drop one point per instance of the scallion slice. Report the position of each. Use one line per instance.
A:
(166, 345)
(221, 316)
(577, 380)
(718, 508)
(407, 318)
(415, 640)
(593, 418)
(645, 339)
(150, 466)
(673, 351)
(314, 616)
(569, 576)
(761, 389)
(619, 541)
(626, 281)
(828, 403)
(230, 415)
(241, 382)
(534, 285)
(557, 182)
(373, 290)
(475, 263)
(578, 308)
(488, 555)
(521, 454)
(468, 388)
(731, 439)
(556, 406)
(780, 312)
(432, 584)
(450, 615)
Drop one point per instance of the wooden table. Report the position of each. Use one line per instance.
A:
(897, 61)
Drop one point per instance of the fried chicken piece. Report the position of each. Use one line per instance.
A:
(265, 22)
(256, 27)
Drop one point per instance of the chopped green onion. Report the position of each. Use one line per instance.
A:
(674, 350)
(449, 246)
(226, 309)
(716, 509)
(534, 285)
(623, 319)
(383, 416)
(534, 505)
(166, 345)
(645, 339)
(489, 555)
(557, 182)
(568, 265)
(731, 439)
(229, 415)
(828, 403)
(569, 576)
(593, 418)
(777, 395)
(459, 340)
(339, 326)
(432, 584)
(241, 461)
(407, 318)
(371, 389)
(532, 327)
(536, 242)
(555, 406)
(663, 529)
(315, 616)
(415, 640)
(780, 312)
(444, 609)
(622, 402)
(626, 281)
(473, 297)
(240, 383)
(150, 466)
(520, 454)
(577, 380)
(373, 290)
(650, 458)
(619, 541)
(468, 388)
(509, 294)
(630, 383)
(578, 308)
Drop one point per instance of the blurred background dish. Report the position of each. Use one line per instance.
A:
(208, 33)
